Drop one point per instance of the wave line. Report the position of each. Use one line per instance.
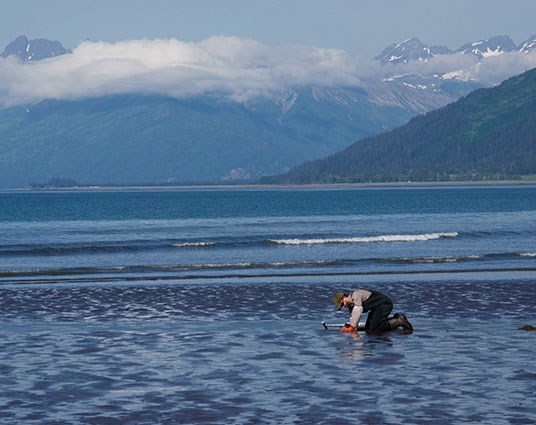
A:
(154, 278)
(367, 239)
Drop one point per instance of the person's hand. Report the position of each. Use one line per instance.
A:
(348, 328)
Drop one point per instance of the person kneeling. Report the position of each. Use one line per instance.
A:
(378, 306)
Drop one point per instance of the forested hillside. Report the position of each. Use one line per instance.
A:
(489, 134)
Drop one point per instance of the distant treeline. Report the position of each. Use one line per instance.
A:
(55, 182)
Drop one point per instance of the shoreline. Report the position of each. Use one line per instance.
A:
(312, 186)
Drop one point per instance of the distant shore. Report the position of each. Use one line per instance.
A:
(279, 186)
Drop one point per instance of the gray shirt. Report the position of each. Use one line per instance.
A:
(358, 297)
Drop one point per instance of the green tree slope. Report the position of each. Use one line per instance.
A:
(489, 134)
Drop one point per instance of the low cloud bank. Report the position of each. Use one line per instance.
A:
(236, 68)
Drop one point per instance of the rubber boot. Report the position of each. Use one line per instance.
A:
(400, 319)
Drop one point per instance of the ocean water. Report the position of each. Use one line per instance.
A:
(205, 306)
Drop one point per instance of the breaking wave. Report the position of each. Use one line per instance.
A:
(166, 268)
(259, 269)
(367, 239)
(192, 244)
(440, 259)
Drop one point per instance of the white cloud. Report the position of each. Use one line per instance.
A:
(233, 67)
(495, 69)
(488, 71)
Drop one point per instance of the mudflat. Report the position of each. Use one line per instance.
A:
(240, 352)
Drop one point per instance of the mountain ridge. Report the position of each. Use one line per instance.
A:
(135, 139)
(207, 138)
(408, 50)
(488, 134)
(414, 49)
(33, 50)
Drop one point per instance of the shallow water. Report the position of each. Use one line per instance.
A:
(242, 352)
(91, 237)
(205, 307)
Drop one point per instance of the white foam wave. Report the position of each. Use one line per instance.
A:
(527, 254)
(275, 264)
(447, 259)
(368, 239)
(192, 244)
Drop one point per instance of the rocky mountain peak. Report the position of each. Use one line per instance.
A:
(32, 50)
(528, 45)
(412, 49)
(489, 47)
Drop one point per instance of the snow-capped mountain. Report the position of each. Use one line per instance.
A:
(489, 47)
(528, 45)
(411, 53)
(208, 137)
(31, 50)
(412, 49)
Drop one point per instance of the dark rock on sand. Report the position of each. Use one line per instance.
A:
(527, 328)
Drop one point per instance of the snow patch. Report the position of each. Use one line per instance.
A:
(488, 53)
(286, 101)
(460, 74)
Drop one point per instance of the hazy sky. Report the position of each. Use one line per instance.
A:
(361, 27)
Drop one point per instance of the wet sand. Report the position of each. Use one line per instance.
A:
(247, 353)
